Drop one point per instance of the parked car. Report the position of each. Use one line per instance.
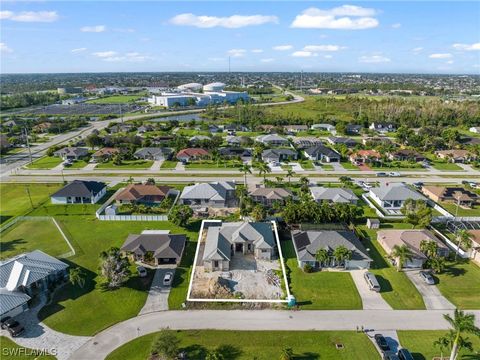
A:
(381, 174)
(418, 185)
(142, 272)
(4, 322)
(390, 355)
(404, 354)
(167, 279)
(372, 281)
(13, 326)
(67, 163)
(367, 185)
(427, 277)
(394, 174)
(381, 342)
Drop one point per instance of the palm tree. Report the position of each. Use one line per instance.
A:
(442, 343)
(461, 323)
(464, 240)
(279, 180)
(263, 168)
(429, 248)
(287, 354)
(245, 169)
(77, 276)
(322, 256)
(402, 254)
(437, 264)
(341, 254)
(290, 174)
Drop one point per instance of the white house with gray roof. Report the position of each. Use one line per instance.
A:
(153, 153)
(307, 244)
(225, 240)
(333, 195)
(392, 196)
(214, 194)
(272, 140)
(25, 276)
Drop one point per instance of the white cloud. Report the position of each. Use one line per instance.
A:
(29, 16)
(327, 56)
(94, 29)
(267, 60)
(467, 47)
(113, 56)
(257, 51)
(303, 53)
(396, 26)
(317, 48)
(78, 50)
(450, 62)
(236, 52)
(373, 59)
(440, 56)
(104, 54)
(345, 17)
(417, 49)
(4, 48)
(282, 47)
(231, 22)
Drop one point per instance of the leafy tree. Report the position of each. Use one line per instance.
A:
(166, 345)
(429, 248)
(259, 212)
(180, 214)
(402, 254)
(215, 354)
(76, 276)
(150, 181)
(463, 239)
(461, 323)
(416, 213)
(437, 264)
(115, 267)
(117, 159)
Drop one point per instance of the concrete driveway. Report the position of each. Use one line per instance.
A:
(296, 166)
(157, 299)
(275, 168)
(389, 335)
(432, 297)
(371, 300)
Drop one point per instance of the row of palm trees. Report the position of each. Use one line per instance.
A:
(263, 169)
(338, 256)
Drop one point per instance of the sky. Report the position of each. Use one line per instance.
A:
(343, 36)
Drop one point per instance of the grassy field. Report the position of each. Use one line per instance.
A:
(460, 283)
(169, 164)
(396, 288)
(46, 162)
(445, 166)
(14, 199)
(420, 344)
(266, 345)
(321, 290)
(126, 165)
(116, 99)
(29, 235)
(12, 351)
(213, 165)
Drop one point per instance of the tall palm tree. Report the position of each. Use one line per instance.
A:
(245, 169)
(429, 248)
(290, 174)
(322, 256)
(263, 168)
(341, 254)
(402, 254)
(464, 240)
(461, 323)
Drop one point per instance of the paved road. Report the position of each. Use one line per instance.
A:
(379, 320)
(432, 297)
(371, 300)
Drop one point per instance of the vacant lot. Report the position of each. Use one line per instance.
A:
(266, 345)
(126, 165)
(320, 290)
(45, 163)
(116, 99)
(439, 165)
(29, 235)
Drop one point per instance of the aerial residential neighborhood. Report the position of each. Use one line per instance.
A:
(240, 180)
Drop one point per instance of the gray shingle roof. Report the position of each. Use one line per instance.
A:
(80, 188)
(338, 195)
(208, 191)
(162, 245)
(323, 150)
(152, 151)
(396, 191)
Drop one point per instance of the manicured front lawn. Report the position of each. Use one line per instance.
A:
(439, 165)
(452, 209)
(126, 165)
(213, 165)
(460, 283)
(12, 351)
(168, 164)
(267, 345)
(307, 164)
(320, 290)
(29, 235)
(347, 165)
(327, 167)
(396, 288)
(45, 163)
(420, 344)
(15, 201)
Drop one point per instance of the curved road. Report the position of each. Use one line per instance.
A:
(99, 346)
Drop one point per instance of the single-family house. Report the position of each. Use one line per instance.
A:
(26, 276)
(455, 155)
(272, 140)
(308, 243)
(226, 240)
(233, 140)
(278, 155)
(333, 195)
(411, 238)
(235, 152)
(371, 141)
(190, 154)
(337, 140)
(270, 196)
(118, 128)
(153, 153)
(323, 127)
(214, 194)
(306, 142)
(353, 129)
(365, 156)
(80, 192)
(293, 129)
(453, 194)
(322, 153)
(383, 127)
(406, 155)
(105, 154)
(156, 248)
(142, 194)
(71, 153)
(392, 196)
(197, 139)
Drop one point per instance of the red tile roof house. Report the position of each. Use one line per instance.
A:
(104, 154)
(190, 154)
(143, 194)
(365, 156)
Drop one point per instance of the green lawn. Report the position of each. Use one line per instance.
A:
(396, 288)
(126, 165)
(307, 164)
(452, 209)
(116, 99)
(14, 199)
(169, 164)
(420, 344)
(12, 351)
(347, 165)
(46, 162)
(446, 166)
(29, 235)
(213, 165)
(460, 284)
(79, 164)
(327, 167)
(321, 290)
(267, 345)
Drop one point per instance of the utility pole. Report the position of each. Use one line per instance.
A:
(28, 144)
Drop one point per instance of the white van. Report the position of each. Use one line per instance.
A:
(372, 281)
